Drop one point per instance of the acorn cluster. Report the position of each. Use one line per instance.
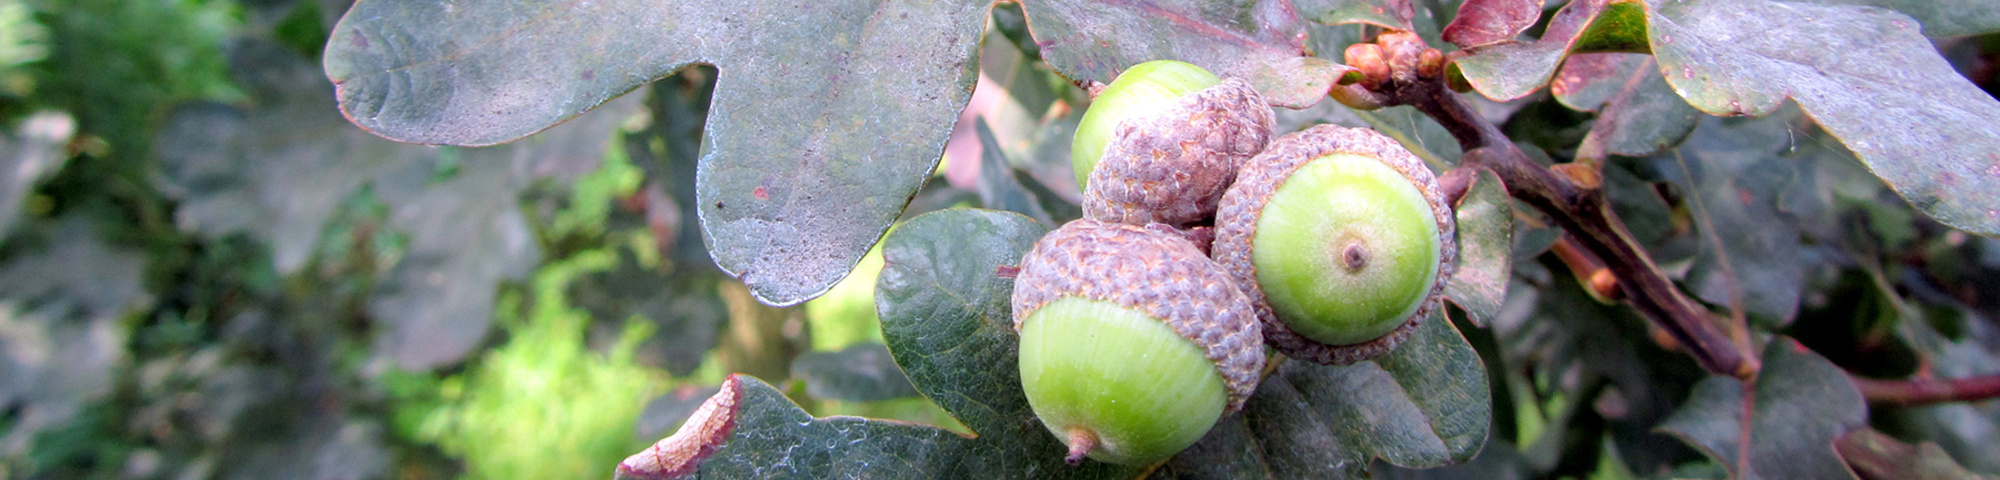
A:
(1204, 240)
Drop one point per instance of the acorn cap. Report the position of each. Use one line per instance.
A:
(1239, 213)
(1172, 167)
(1152, 272)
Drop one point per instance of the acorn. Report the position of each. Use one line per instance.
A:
(1133, 344)
(1342, 240)
(1163, 141)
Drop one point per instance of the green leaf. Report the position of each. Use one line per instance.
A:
(861, 373)
(1866, 75)
(1029, 89)
(1485, 248)
(945, 314)
(1498, 461)
(1260, 41)
(1733, 172)
(1425, 404)
(1394, 14)
(1418, 132)
(279, 169)
(1508, 71)
(32, 151)
(1965, 429)
(1485, 22)
(686, 312)
(1940, 18)
(1648, 117)
(340, 446)
(678, 105)
(1800, 405)
(750, 430)
(1632, 187)
(940, 292)
(998, 188)
(827, 121)
(1874, 455)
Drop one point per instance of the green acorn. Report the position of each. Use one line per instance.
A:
(1341, 239)
(1133, 344)
(1162, 142)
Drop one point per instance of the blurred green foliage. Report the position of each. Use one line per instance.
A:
(541, 405)
(117, 64)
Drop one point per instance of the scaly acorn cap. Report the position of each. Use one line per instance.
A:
(1172, 166)
(1241, 208)
(1157, 273)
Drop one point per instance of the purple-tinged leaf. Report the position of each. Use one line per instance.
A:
(1485, 22)
(1509, 71)
(1260, 41)
(1649, 119)
(828, 116)
(1800, 405)
(1866, 75)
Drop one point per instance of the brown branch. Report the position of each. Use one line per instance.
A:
(1926, 391)
(1590, 271)
(1582, 211)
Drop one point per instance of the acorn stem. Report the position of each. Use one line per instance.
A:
(1081, 442)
